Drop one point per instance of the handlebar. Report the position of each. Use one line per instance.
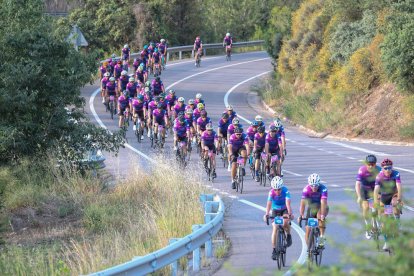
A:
(300, 221)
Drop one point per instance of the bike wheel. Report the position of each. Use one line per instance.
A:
(311, 244)
(241, 180)
(279, 248)
(318, 256)
(111, 109)
(375, 233)
(283, 248)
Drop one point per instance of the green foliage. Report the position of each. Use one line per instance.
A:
(40, 76)
(396, 49)
(350, 36)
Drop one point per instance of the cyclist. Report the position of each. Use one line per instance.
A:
(364, 187)
(162, 47)
(222, 127)
(258, 147)
(132, 89)
(171, 99)
(259, 120)
(125, 53)
(139, 111)
(181, 133)
(197, 112)
(112, 63)
(159, 119)
(208, 139)
(179, 107)
(278, 205)
(228, 42)
(202, 122)
(316, 196)
(136, 63)
(237, 146)
(188, 116)
(234, 124)
(388, 190)
(123, 81)
(104, 81)
(198, 48)
(111, 90)
(123, 105)
(251, 131)
(104, 69)
(273, 147)
(141, 75)
(152, 106)
(156, 58)
(157, 86)
(144, 57)
(232, 114)
(191, 104)
(281, 132)
(199, 99)
(118, 69)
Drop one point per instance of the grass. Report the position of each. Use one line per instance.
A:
(107, 227)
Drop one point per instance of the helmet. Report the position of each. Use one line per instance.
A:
(125, 92)
(181, 99)
(198, 96)
(235, 121)
(162, 40)
(171, 91)
(107, 74)
(272, 129)
(180, 114)
(371, 158)
(190, 101)
(156, 50)
(277, 123)
(122, 98)
(131, 79)
(228, 34)
(238, 130)
(181, 120)
(113, 56)
(146, 89)
(203, 113)
(124, 73)
(200, 105)
(147, 83)
(225, 116)
(386, 162)
(314, 179)
(140, 97)
(277, 182)
(126, 46)
(258, 118)
(261, 129)
(158, 79)
(229, 108)
(254, 123)
(145, 47)
(111, 79)
(141, 65)
(159, 105)
(209, 126)
(157, 99)
(162, 96)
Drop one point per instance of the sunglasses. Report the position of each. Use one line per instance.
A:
(371, 164)
(278, 189)
(387, 168)
(314, 186)
(238, 134)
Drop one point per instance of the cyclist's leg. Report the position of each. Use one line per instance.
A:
(213, 157)
(322, 223)
(121, 117)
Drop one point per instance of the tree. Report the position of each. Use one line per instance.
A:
(41, 75)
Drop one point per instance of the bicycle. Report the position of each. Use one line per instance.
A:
(209, 167)
(181, 154)
(157, 70)
(314, 250)
(138, 130)
(224, 153)
(111, 105)
(251, 165)
(262, 170)
(198, 59)
(228, 53)
(273, 165)
(375, 225)
(239, 174)
(163, 62)
(280, 241)
(390, 225)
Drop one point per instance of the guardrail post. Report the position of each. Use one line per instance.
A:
(174, 265)
(210, 211)
(206, 197)
(196, 252)
(192, 53)
(168, 56)
(180, 54)
(204, 51)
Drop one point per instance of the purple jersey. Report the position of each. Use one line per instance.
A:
(196, 114)
(138, 106)
(132, 89)
(279, 201)
(181, 130)
(189, 119)
(367, 178)
(140, 74)
(178, 108)
(157, 87)
(209, 139)
(125, 53)
(123, 81)
(281, 131)
(315, 197)
(223, 126)
(202, 123)
(273, 142)
(117, 70)
(110, 87)
(251, 132)
(159, 116)
(261, 140)
(231, 129)
(104, 81)
(103, 70)
(156, 56)
(162, 47)
(238, 142)
(152, 106)
(123, 103)
(171, 99)
(227, 40)
(388, 185)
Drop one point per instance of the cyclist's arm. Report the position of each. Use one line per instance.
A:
(324, 203)
(254, 145)
(267, 148)
(268, 207)
(358, 188)
(376, 193)
(302, 207)
(399, 192)
(288, 206)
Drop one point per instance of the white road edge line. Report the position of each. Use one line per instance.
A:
(301, 233)
(357, 148)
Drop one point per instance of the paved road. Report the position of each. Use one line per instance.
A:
(336, 162)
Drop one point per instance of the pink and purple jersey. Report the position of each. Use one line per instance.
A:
(228, 40)
(209, 138)
(279, 201)
(238, 142)
(117, 70)
(281, 131)
(367, 178)
(125, 53)
(181, 130)
(104, 81)
(251, 132)
(123, 103)
(111, 88)
(162, 47)
(231, 128)
(132, 89)
(140, 74)
(388, 185)
(152, 106)
(171, 100)
(157, 87)
(315, 197)
(203, 122)
(123, 81)
(196, 114)
(178, 108)
(159, 116)
(261, 140)
(156, 56)
(189, 119)
(223, 126)
(274, 143)
(138, 106)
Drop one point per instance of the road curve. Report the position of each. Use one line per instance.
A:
(337, 162)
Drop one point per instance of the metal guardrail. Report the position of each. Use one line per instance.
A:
(189, 48)
(202, 234)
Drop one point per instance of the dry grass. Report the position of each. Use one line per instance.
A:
(136, 217)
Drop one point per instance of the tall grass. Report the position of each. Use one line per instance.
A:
(139, 215)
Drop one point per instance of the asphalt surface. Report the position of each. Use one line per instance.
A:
(337, 162)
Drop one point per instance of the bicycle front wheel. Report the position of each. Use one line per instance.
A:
(279, 259)
(311, 248)
(241, 179)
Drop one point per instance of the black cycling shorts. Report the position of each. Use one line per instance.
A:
(211, 147)
(387, 199)
(258, 153)
(237, 153)
(278, 213)
(313, 210)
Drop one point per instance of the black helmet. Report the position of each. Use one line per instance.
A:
(225, 116)
(261, 129)
(238, 130)
(159, 105)
(371, 158)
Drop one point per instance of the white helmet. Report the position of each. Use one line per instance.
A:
(107, 74)
(277, 182)
(235, 121)
(258, 118)
(124, 73)
(162, 40)
(181, 99)
(314, 179)
(277, 122)
(228, 34)
(126, 46)
(198, 96)
(229, 107)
